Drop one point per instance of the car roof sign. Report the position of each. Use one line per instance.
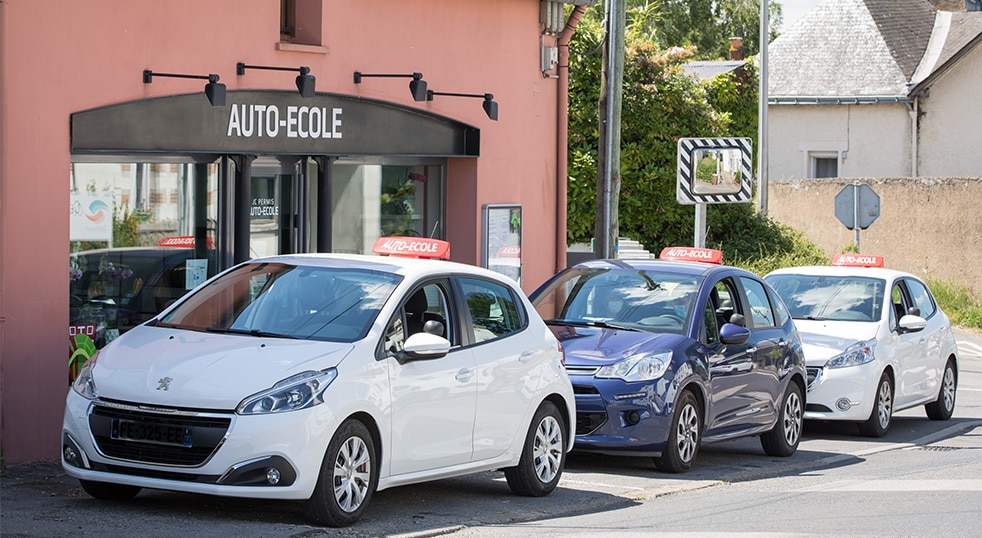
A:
(412, 247)
(692, 254)
(857, 260)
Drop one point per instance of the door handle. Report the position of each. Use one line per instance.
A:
(525, 356)
(464, 375)
(751, 349)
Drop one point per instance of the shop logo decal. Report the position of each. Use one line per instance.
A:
(97, 211)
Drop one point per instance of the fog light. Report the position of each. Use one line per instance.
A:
(843, 404)
(71, 457)
(633, 417)
(272, 476)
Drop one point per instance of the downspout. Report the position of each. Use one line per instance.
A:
(562, 134)
(914, 113)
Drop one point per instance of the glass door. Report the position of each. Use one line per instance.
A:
(274, 221)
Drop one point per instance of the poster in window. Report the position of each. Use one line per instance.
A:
(503, 239)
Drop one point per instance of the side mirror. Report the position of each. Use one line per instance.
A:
(423, 346)
(731, 333)
(911, 323)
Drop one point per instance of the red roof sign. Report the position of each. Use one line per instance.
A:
(412, 247)
(857, 260)
(692, 254)
(182, 241)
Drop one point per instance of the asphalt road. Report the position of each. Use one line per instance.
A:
(39, 500)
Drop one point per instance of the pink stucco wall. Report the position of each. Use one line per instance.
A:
(59, 56)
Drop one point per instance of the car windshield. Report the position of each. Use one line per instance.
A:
(827, 297)
(655, 301)
(290, 301)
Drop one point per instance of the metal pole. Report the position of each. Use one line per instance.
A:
(762, 112)
(608, 191)
(855, 213)
(700, 233)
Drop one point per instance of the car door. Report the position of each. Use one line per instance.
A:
(730, 367)
(507, 358)
(433, 401)
(769, 343)
(926, 362)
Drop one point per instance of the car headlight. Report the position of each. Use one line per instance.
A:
(84, 384)
(300, 391)
(854, 355)
(640, 367)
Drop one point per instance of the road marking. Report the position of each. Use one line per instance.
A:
(970, 348)
(906, 485)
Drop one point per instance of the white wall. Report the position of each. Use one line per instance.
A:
(869, 140)
(951, 122)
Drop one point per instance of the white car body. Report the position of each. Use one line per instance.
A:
(915, 359)
(465, 412)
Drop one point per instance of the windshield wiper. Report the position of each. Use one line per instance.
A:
(249, 332)
(601, 324)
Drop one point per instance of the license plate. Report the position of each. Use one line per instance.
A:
(152, 432)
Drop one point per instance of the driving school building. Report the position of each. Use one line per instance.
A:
(242, 128)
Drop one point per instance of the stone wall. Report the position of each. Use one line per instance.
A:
(931, 227)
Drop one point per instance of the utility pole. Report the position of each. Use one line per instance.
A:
(762, 111)
(609, 151)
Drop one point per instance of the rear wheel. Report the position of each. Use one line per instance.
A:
(783, 439)
(108, 491)
(879, 419)
(683, 437)
(944, 406)
(543, 456)
(347, 480)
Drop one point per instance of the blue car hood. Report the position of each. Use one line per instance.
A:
(594, 346)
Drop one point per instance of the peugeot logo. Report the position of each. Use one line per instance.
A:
(164, 383)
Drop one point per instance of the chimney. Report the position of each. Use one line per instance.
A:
(736, 48)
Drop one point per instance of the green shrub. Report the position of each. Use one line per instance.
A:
(958, 302)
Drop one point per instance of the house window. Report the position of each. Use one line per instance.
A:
(300, 22)
(288, 19)
(824, 165)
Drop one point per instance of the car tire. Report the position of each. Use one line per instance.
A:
(108, 491)
(880, 417)
(783, 439)
(944, 406)
(348, 478)
(543, 455)
(683, 437)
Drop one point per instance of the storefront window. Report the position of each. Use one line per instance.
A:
(372, 201)
(132, 233)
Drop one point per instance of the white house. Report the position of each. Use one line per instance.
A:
(876, 89)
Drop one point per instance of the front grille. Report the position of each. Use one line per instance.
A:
(208, 432)
(587, 423)
(581, 370)
(585, 389)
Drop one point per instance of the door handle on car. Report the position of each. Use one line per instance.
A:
(751, 349)
(526, 355)
(464, 375)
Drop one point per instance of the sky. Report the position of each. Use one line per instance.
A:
(794, 10)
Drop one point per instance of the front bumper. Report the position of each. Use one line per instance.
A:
(234, 462)
(614, 417)
(842, 393)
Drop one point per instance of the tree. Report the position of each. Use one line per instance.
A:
(708, 25)
(660, 105)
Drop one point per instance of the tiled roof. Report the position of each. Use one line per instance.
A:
(851, 48)
(954, 34)
(709, 69)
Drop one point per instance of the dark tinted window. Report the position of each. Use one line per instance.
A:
(494, 311)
